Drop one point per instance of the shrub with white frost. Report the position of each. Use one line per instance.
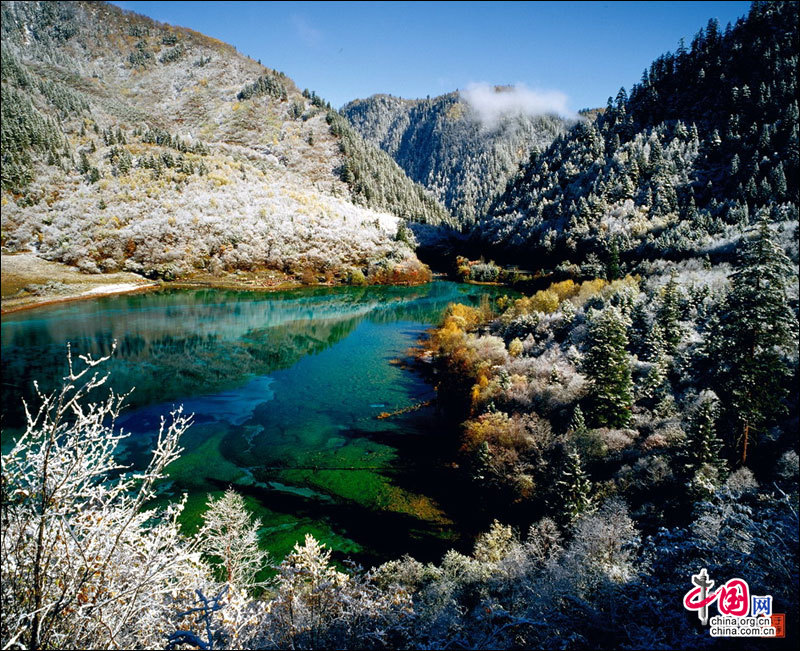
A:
(231, 537)
(87, 563)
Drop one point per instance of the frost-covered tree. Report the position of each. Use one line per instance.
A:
(574, 488)
(702, 445)
(577, 424)
(318, 606)
(230, 536)
(87, 563)
(702, 463)
(669, 315)
(608, 368)
(751, 337)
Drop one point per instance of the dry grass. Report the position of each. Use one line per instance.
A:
(27, 280)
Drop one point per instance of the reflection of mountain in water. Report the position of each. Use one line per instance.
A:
(173, 344)
(285, 389)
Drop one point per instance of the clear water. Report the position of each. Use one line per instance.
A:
(286, 389)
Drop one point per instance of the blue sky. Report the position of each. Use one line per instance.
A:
(343, 51)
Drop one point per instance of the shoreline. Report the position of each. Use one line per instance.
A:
(71, 298)
(25, 270)
(179, 284)
(29, 281)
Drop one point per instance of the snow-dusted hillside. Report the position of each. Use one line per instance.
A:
(129, 144)
(462, 150)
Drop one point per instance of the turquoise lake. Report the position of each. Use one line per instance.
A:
(286, 389)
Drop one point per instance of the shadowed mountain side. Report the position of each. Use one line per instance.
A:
(448, 146)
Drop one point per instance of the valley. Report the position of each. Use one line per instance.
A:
(473, 370)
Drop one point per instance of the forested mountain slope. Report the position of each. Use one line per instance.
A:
(129, 144)
(704, 144)
(444, 144)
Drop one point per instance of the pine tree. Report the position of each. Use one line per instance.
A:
(613, 270)
(655, 346)
(577, 424)
(669, 313)
(639, 331)
(84, 165)
(702, 467)
(482, 463)
(778, 181)
(655, 386)
(702, 445)
(608, 369)
(574, 487)
(750, 336)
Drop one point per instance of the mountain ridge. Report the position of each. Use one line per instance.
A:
(444, 144)
(703, 147)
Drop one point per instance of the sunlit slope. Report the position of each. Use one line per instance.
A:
(130, 144)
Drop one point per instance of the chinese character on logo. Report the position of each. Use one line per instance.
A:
(698, 598)
(734, 598)
(761, 606)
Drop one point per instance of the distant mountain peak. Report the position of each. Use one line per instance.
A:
(443, 143)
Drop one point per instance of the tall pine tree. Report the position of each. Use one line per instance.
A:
(574, 487)
(751, 337)
(669, 314)
(608, 368)
(701, 464)
(702, 445)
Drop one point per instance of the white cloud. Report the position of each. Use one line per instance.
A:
(491, 103)
(311, 36)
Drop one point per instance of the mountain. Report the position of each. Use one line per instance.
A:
(703, 146)
(131, 144)
(448, 146)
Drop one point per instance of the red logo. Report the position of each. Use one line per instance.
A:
(779, 624)
(732, 598)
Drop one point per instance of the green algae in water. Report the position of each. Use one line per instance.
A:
(286, 389)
